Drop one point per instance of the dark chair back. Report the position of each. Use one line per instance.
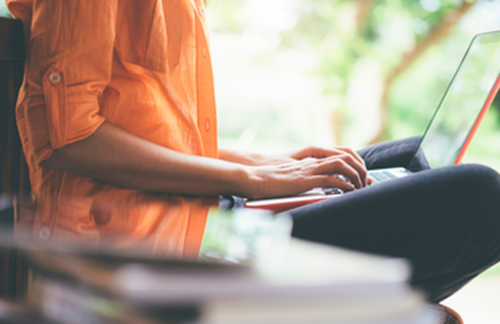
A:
(14, 179)
(13, 171)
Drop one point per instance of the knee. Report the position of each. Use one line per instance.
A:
(479, 201)
(479, 181)
(468, 197)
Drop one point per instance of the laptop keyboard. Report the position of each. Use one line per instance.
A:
(381, 176)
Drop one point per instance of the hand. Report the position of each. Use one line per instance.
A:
(255, 159)
(304, 174)
(316, 153)
(321, 153)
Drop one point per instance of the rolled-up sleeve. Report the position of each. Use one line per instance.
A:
(69, 66)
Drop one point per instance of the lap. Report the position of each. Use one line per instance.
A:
(434, 206)
(445, 221)
(415, 208)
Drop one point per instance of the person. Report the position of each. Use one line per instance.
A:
(117, 105)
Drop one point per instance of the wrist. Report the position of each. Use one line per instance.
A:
(239, 157)
(247, 182)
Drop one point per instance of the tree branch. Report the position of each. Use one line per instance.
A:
(432, 38)
(440, 31)
(363, 14)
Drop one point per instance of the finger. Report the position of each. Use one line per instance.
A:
(314, 152)
(327, 181)
(344, 164)
(321, 153)
(302, 153)
(359, 167)
(340, 166)
(324, 153)
(359, 159)
(353, 153)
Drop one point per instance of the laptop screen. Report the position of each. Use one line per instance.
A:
(465, 100)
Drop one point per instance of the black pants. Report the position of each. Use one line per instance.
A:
(445, 221)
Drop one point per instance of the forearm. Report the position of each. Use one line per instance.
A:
(115, 156)
(118, 157)
(245, 158)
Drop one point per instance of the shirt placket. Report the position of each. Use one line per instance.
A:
(207, 122)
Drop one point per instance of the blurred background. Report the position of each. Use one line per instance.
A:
(347, 72)
(340, 72)
(344, 72)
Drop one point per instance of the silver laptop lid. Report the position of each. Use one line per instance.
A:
(464, 103)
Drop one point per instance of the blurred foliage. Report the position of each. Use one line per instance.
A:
(381, 34)
(346, 37)
(491, 272)
(411, 46)
(231, 19)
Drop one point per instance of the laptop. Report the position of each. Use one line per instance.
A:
(450, 131)
(461, 110)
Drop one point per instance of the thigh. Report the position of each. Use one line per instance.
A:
(399, 153)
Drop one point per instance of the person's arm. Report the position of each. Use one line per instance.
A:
(255, 159)
(118, 157)
(71, 48)
(70, 68)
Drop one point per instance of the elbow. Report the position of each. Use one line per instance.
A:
(56, 161)
(47, 164)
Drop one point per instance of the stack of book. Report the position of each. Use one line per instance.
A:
(301, 282)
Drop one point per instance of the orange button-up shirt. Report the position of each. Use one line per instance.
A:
(141, 65)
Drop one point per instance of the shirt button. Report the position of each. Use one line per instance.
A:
(54, 78)
(202, 11)
(44, 233)
(207, 125)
